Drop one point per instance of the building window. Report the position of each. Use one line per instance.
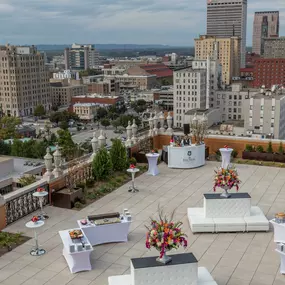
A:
(272, 125)
(250, 107)
(261, 107)
(273, 108)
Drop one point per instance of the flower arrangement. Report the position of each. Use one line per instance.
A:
(164, 235)
(40, 189)
(226, 177)
(35, 219)
(225, 146)
(132, 166)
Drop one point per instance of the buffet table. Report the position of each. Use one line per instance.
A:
(79, 258)
(186, 157)
(99, 234)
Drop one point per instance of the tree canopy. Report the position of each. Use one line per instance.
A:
(39, 111)
(66, 143)
(63, 117)
(8, 127)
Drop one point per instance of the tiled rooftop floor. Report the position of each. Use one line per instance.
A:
(233, 259)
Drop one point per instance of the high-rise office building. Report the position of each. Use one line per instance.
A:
(226, 50)
(227, 18)
(24, 81)
(81, 57)
(274, 48)
(189, 92)
(265, 25)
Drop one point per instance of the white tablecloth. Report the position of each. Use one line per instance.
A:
(186, 157)
(279, 231)
(226, 156)
(152, 163)
(79, 260)
(117, 232)
(282, 261)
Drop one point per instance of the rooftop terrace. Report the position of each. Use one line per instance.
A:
(233, 259)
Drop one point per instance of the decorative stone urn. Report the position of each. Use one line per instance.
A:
(48, 163)
(226, 157)
(134, 131)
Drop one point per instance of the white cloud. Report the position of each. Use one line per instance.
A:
(109, 21)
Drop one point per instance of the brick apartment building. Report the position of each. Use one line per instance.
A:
(160, 70)
(268, 72)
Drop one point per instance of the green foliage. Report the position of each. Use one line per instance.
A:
(66, 143)
(280, 148)
(139, 106)
(105, 123)
(78, 205)
(119, 179)
(259, 148)
(102, 165)
(39, 111)
(118, 155)
(8, 239)
(269, 147)
(8, 127)
(29, 149)
(63, 125)
(63, 117)
(27, 180)
(234, 153)
(248, 147)
(124, 119)
(116, 123)
(5, 149)
(133, 161)
(101, 113)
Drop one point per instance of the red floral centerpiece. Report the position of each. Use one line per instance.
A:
(226, 178)
(132, 166)
(165, 235)
(35, 219)
(40, 189)
(225, 146)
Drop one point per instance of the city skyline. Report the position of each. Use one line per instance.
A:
(118, 21)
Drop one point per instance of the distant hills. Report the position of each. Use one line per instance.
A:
(106, 47)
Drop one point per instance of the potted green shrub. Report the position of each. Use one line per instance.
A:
(279, 155)
(249, 152)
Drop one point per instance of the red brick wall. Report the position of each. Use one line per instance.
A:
(94, 100)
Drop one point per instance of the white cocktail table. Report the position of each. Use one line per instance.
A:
(41, 196)
(78, 260)
(282, 261)
(133, 171)
(99, 234)
(152, 163)
(31, 225)
(226, 157)
(279, 231)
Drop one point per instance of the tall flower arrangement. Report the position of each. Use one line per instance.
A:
(164, 234)
(226, 178)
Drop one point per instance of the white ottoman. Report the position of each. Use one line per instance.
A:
(198, 223)
(120, 280)
(230, 225)
(256, 221)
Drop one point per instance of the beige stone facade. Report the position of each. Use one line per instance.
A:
(85, 111)
(228, 53)
(62, 91)
(24, 81)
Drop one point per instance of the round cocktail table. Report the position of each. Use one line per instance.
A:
(41, 196)
(133, 171)
(31, 225)
(152, 163)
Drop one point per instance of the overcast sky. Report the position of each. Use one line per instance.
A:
(172, 22)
